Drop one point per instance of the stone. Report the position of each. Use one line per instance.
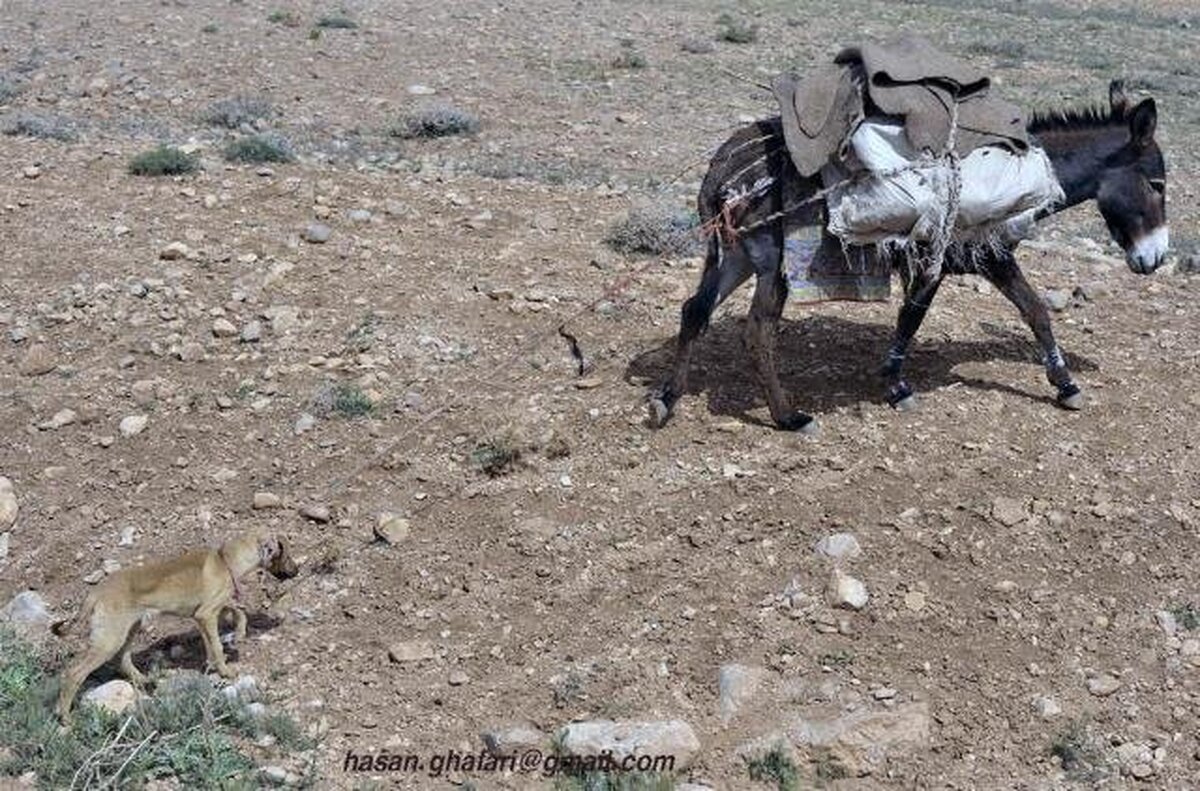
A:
(132, 425)
(223, 328)
(884, 693)
(143, 392)
(244, 688)
(1009, 511)
(391, 528)
(264, 501)
(9, 507)
(191, 352)
(457, 678)
(1046, 707)
(304, 423)
(27, 612)
(411, 651)
(126, 537)
(1103, 685)
(846, 591)
(175, 251)
(511, 739)
(317, 233)
(1057, 299)
(115, 696)
(61, 419)
(1165, 619)
(865, 737)
(38, 360)
(914, 601)
(252, 332)
(359, 215)
(421, 90)
(4, 545)
(626, 738)
(736, 686)
(839, 546)
(316, 512)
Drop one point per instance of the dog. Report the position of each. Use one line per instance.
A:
(197, 585)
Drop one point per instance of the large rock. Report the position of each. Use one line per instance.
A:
(8, 504)
(839, 546)
(621, 739)
(28, 613)
(37, 361)
(862, 741)
(115, 696)
(510, 739)
(846, 591)
(737, 685)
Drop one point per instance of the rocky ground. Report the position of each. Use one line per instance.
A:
(358, 349)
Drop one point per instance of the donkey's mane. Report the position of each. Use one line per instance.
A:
(1072, 118)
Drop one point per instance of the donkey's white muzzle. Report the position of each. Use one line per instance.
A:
(1149, 252)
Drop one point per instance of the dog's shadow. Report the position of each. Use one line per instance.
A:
(185, 648)
(827, 362)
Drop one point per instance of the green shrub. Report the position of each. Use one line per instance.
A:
(436, 122)
(337, 21)
(163, 161)
(257, 149)
(350, 401)
(775, 767)
(736, 30)
(43, 127)
(234, 113)
(655, 230)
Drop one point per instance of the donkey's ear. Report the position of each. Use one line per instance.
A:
(1143, 122)
(1117, 98)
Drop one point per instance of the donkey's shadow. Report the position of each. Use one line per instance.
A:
(827, 362)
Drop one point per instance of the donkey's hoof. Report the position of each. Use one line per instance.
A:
(800, 423)
(1070, 397)
(901, 396)
(657, 413)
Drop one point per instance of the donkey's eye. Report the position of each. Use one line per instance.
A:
(1158, 185)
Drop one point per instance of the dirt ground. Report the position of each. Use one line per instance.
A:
(1013, 552)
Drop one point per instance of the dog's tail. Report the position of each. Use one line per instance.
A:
(64, 626)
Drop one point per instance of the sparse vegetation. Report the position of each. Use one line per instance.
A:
(655, 230)
(497, 455)
(43, 127)
(257, 149)
(1009, 53)
(361, 337)
(284, 17)
(444, 121)
(237, 112)
(829, 767)
(164, 161)
(338, 20)
(188, 730)
(9, 90)
(736, 30)
(210, 28)
(1187, 616)
(629, 57)
(775, 767)
(1079, 758)
(350, 401)
(614, 781)
(836, 659)
(695, 45)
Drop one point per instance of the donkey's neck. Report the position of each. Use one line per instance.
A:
(1079, 156)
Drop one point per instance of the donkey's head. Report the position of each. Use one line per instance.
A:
(1132, 192)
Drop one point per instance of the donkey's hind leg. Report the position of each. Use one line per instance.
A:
(724, 271)
(770, 293)
(1005, 275)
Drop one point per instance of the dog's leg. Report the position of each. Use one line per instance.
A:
(135, 676)
(206, 619)
(239, 629)
(105, 641)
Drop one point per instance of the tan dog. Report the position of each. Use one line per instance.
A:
(197, 585)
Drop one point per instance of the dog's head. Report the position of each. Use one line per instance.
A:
(274, 556)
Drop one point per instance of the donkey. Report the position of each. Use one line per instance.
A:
(1109, 155)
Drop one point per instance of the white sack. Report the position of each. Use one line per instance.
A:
(881, 204)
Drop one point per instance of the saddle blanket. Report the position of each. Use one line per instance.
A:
(821, 271)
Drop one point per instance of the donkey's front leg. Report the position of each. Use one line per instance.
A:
(919, 292)
(1004, 273)
(770, 293)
